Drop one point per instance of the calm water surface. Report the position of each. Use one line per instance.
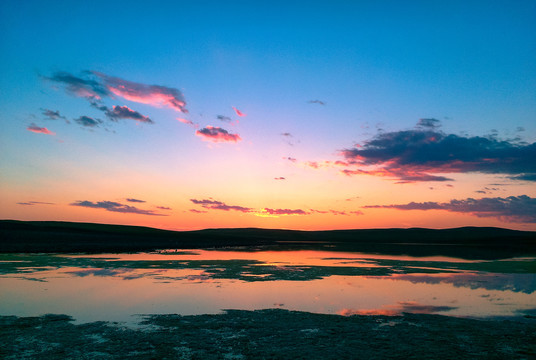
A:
(116, 287)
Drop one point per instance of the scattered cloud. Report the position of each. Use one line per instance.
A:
(163, 208)
(135, 200)
(421, 154)
(115, 207)
(218, 205)
(124, 112)
(238, 112)
(52, 115)
(289, 138)
(217, 134)
(291, 159)
(88, 121)
(198, 211)
(39, 130)
(284, 211)
(521, 209)
(31, 203)
(319, 102)
(224, 118)
(429, 124)
(188, 122)
(279, 178)
(211, 204)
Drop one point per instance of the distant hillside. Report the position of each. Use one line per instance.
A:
(62, 237)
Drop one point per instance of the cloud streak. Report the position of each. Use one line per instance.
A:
(39, 130)
(115, 207)
(423, 153)
(155, 95)
(94, 85)
(238, 112)
(218, 205)
(211, 204)
(520, 209)
(31, 203)
(217, 134)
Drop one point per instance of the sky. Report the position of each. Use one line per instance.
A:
(281, 114)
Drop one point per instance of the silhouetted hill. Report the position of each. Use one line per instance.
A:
(466, 242)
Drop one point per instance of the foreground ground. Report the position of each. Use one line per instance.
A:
(269, 334)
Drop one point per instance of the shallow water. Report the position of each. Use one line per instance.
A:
(116, 287)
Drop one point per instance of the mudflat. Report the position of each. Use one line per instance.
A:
(269, 334)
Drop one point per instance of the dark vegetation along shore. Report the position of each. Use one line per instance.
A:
(65, 237)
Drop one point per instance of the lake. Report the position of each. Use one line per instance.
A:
(118, 287)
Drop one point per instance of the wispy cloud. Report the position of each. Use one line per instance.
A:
(198, 211)
(218, 205)
(211, 204)
(319, 102)
(87, 86)
(224, 118)
(115, 207)
(52, 115)
(188, 122)
(94, 85)
(421, 154)
(285, 211)
(39, 130)
(428, 124)
(135, 200)
(521, 209)
(217, 134)
(279, 178)
(163, 207)
(238, 112)
(124, 112)
(31, 203)
(88, 121)
(155, 95)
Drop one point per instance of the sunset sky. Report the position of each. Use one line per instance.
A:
(275, 114)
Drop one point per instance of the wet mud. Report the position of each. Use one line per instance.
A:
(269, 334)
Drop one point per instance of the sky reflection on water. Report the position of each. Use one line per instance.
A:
(116, 286)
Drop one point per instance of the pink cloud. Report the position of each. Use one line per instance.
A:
(39, 130)
(285, 211)
(218, 205)
(238, 112)
(188, 122)
(217, 134)
(154, 95)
